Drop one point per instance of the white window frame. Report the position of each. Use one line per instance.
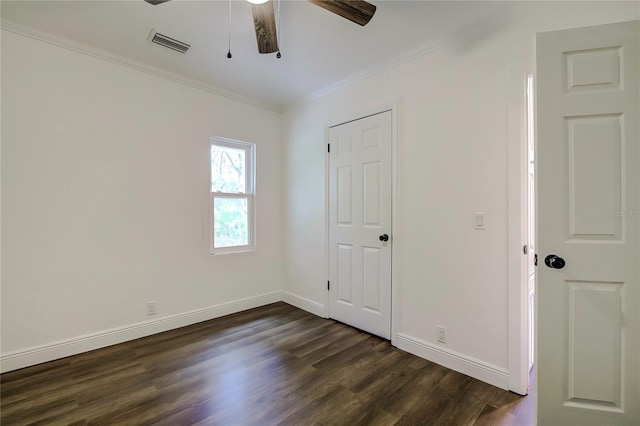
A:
(249, 195)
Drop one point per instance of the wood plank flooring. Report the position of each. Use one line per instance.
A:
(272, 365)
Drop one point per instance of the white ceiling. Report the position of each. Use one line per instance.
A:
(320, 50)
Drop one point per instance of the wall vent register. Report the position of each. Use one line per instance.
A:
(168, 42)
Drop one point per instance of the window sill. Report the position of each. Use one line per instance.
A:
(232, 251)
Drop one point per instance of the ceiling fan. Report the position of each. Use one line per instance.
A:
(358, 11)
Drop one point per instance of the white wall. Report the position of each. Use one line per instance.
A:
(105, 192)
(105, 201)
(452, 162)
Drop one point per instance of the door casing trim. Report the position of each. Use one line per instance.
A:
(517, 343)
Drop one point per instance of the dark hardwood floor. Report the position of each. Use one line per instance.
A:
(272, 365)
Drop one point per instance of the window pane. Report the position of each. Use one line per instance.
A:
(230, 222)
(227, 170)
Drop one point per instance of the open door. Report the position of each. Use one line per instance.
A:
(588, 363)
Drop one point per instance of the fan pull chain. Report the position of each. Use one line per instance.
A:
(229, 55)
(279, 33)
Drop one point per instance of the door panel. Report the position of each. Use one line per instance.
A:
(344, 283)
(345, 195)
(371, 283)
(595, 180)
(595, 324)
(589, 214)
(360, 212)
(371, 208)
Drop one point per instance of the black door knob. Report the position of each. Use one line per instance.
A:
(384, 237)
(555, 262)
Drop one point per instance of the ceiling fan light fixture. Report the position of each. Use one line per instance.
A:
(257, 1)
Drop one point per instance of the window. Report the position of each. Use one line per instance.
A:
(232, 196)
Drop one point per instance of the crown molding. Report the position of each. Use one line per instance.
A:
(130, 63)
(368, 73)
(472, 32)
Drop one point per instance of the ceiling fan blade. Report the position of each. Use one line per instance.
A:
(156, 2)
(264, 19)
(358, 11)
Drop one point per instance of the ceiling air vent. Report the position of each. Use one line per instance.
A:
(168, 42)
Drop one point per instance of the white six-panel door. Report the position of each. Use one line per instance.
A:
(589, 215)
(360, 213)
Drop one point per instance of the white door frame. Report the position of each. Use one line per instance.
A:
(393, 107)
(518, 345)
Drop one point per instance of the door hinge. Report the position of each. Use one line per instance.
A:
(328, 147)
(328, 285)
(535, 260)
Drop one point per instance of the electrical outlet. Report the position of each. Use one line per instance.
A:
(479, 221)
(151, 308)
(442, 334)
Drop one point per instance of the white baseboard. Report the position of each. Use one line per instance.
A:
(38, 354)
(305, 304)
(64, 348)
(464, 364)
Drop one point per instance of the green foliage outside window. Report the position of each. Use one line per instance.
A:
(230, 214)
(230, 222)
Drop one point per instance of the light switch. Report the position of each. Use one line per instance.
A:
(479, 222)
